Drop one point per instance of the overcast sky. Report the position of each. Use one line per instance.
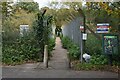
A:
(43, 3)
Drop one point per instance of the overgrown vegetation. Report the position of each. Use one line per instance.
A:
(89, 66)
(94, 48)
(23, 50)
(93, 45)
(19, 49)
(73, 49)
(98, 60)
(51, 45)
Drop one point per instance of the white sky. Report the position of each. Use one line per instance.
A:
(43, 3)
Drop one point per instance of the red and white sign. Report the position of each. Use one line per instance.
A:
(81, 28)
(102, 26)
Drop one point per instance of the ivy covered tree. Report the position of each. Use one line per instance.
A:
(42, 28)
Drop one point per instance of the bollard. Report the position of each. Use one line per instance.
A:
(69, 59)
(46, 56)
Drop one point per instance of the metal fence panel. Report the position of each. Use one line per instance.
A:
(72, 30)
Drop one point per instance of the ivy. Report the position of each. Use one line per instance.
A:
(42, 29)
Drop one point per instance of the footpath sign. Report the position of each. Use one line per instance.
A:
(103, 28)
(84, 36)
(110, 45)
(81, 28)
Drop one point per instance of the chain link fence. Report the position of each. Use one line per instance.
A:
(72, 30)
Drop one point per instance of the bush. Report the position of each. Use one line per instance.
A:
(51, 45)
(24, 49)
(66, 42)
(94, 48)
(73, 49)
(86, 66)
(98, 60)
(93, 45)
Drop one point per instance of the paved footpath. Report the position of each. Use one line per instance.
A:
(58, 68)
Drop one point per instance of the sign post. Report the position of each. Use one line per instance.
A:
(110, 45)
(23, 29)
(103, 28)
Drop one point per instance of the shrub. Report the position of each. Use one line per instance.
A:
(98, 60)
(93, 45)
(51, 45)
(88, 66)
(66, 42)
(24, 49)
(73, 49)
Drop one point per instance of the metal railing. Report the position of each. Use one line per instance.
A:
(72, 30)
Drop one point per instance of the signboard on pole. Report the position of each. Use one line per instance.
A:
(84, 36)
(103, 28)
(110, 44)
(81, 28)
(24, 29)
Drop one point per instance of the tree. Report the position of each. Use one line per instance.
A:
(27, 6)
(22, 17)
(62, 15)
(6, 10)
(13, 17)
(42, 27)
(106, 12)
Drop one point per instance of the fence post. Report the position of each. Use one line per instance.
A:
(81, 47)
(46, 56)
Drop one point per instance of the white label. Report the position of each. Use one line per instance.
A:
(81, 27)
(103, 24)
(84, 37)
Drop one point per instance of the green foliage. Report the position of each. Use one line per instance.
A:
(94, 48)
(73, 49)
(16, 49)
(6, 9)
(9, 33)
(51, 45)
(22, 50)
(93, 45)
(65, 42)
(27, 6)
(116, 59)
(62, 15)
(42, 29)
(86, 66)
(101, 12)
(98, 60)
(74, 52)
